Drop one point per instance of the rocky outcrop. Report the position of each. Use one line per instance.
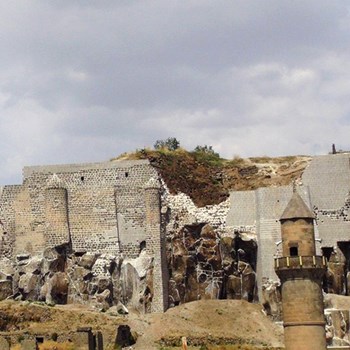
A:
(204, 266)
(60, 277)
(337, 327)
(272, 299)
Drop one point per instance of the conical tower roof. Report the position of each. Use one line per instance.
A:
(296, 208)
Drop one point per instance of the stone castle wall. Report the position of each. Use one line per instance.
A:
(94, 207)
(112, 210)
(325, 189)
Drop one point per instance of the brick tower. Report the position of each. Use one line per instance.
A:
(301, 273)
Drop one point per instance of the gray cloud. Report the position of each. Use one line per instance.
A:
(86, 80)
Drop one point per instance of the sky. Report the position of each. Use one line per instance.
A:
(84, 81)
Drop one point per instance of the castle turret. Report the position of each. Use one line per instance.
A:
(155, 246)
(56, 213)
(301, 271)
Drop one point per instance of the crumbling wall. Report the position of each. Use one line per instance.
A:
(71, 228)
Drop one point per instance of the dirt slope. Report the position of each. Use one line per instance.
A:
(202, 322)
(212, 322)
(208, 179)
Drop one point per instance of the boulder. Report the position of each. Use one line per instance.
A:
(55, 289)
(88, 260)
(29, 286)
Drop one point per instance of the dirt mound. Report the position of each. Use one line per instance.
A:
(202, 322)
(212, 322)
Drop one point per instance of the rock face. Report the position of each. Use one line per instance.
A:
(203, 266)
(60, 277)
(272, 299)
(337, 327)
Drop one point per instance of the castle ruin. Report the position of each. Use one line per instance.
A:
(111, 234)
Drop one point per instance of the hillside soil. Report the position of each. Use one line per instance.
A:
(205, 322)
(208, 179)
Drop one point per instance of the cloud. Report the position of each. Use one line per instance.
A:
(84, 81)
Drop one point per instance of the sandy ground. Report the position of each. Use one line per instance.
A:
(202, 322)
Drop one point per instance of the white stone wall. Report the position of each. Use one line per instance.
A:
(184, 212)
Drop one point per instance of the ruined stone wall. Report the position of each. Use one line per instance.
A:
(7, 217)
(328, 178)
(97, 207)
(179, 210)
(325, 189)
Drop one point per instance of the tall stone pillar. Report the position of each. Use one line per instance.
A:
(301, 273)
(155, 246)
(56, 213)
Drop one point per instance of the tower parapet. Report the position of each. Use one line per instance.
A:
(301, 272)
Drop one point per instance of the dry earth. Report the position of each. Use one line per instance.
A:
(208, 179)
(202, 322)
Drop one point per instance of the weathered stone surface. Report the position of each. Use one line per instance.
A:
(337, 327)
(55, 289)
(5, 290)
(118, 310)
(335, 279)
(88, 260)
(29, 286)
(271, 299)
(203, 266)
(53, 261)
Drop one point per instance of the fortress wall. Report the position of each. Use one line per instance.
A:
(332, 231)
(97, 194)
(130, 218)
(242, 209)
(328, 178)
(29, 230)
(7, 217)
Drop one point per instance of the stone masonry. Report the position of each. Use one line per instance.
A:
(325, 188)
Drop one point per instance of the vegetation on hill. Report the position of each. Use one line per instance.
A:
(207, 178)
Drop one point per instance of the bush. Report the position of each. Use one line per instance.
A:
(206, 150)
(171, 143)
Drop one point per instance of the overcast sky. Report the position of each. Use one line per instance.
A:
(83, 81)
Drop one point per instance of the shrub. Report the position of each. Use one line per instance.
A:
(171, 143)
(206, 150)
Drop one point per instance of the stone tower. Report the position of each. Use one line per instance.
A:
(301, 271)
(56, 213)
(155, 246)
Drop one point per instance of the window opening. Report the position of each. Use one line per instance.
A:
(293, 251)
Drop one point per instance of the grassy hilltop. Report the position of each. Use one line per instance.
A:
(207, 178)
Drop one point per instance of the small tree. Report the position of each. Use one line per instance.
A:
(171, 143)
